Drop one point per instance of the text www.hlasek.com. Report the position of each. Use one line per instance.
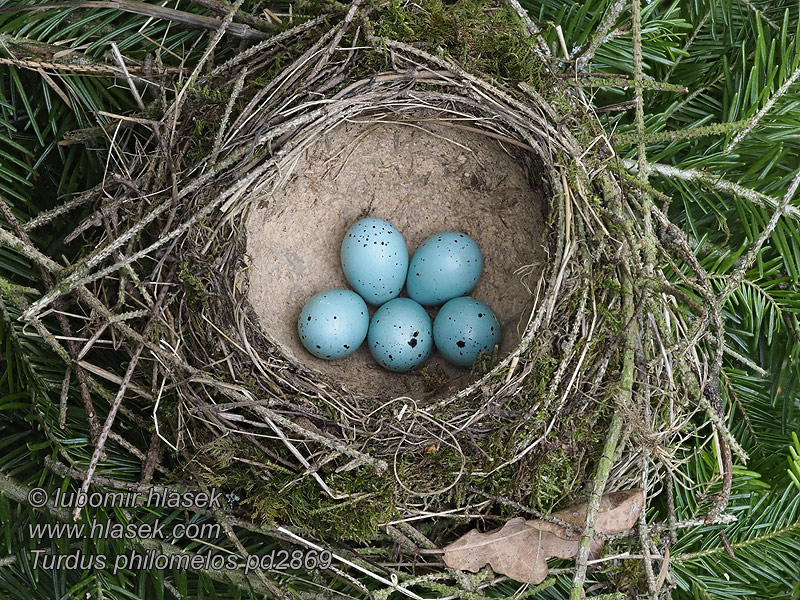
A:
(116, 531)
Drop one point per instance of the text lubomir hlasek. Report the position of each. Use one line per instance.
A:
(156, 497)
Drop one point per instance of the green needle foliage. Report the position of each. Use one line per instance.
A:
(723, 154)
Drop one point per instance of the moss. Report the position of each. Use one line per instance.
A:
(552, 479)
(434, 378)
(207, 94)
(484, 37)
(196, 293)
(275, 493)
(629, 577)
(202, 137)
(299, 500)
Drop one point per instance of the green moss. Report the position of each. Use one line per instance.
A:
(277, 494)
(196, 293)
(552, 479)
(202, 139)
(480, 35)
(207, 94)
(299, 500)
(434, 378)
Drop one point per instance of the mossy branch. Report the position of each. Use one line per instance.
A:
(658, 137)
(624, 398)
(716, 181)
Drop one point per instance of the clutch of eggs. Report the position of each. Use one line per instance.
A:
(400, 335)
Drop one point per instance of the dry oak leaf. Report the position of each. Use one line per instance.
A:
(520, 548)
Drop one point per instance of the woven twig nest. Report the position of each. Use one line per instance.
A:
(308, 447)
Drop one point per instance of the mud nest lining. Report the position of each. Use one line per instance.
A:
(423, 177)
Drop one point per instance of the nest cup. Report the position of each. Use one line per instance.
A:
(425, 172)
(429, 147)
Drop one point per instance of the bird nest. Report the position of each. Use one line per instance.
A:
(259, 158)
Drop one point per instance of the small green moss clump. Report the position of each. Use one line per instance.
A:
(196, 293)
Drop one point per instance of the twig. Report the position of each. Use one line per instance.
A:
(644, 533)
(687, 45)
(151, 459)
(341, 30)
(237, 89)
(649, 241)
(744, 263)
(223, 8)
(62, 404)
(719, 183)
(47, 216)
(601, 477)
(760, 14)
(101, 440)
(619, 81)
(657, 137)
(541, 46)
(739, 545)
(755, 119)
(625, 393)
(600, 36)
(131, 85)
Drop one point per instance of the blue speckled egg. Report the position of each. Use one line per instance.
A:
(375, 260)
(333, 324)
(445, 266)
(400, 336)
(463, 328)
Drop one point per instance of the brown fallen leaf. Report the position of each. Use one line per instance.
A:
(618, 512)
(520, 548)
